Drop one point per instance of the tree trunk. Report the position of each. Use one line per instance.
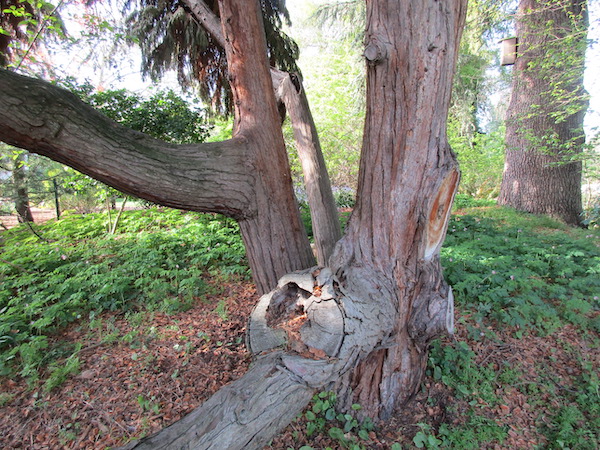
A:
(21, 192)
(289, 91)
(544, 126)
(364, 325)
(323, 210)
(275, 235)
(389, 257)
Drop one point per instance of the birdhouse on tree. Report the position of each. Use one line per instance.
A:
(509, 51)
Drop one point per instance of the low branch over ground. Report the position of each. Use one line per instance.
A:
(53, 122)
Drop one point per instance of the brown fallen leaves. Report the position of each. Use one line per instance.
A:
(137, 382)
(144, 380)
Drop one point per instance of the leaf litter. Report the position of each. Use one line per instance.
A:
(153, 373)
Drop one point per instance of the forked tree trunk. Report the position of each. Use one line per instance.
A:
(290, 92)
(544, 125)
(362, 326)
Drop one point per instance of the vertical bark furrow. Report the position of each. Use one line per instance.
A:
(404, 161)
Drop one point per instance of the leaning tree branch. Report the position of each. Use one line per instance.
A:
(50, 121)
(289, 91)
(207, 19)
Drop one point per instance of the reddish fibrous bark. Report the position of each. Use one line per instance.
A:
(372, 312)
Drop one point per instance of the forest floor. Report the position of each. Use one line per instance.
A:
(521, 372)
(139, 374)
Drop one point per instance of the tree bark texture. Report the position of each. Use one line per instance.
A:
(323, 210)
(544, 125)
(21, 191)
(242, 415)
(360, 326)
(290, 92)
(388, 261)
(275, 236)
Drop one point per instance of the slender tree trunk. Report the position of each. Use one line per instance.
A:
(21, 192)
(323, 210)
(544, 126)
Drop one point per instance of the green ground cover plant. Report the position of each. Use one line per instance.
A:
(76, 271)
(527, 273)
(516, 279)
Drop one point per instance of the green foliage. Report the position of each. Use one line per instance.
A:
(164, 115)
(462, 201)
(344, 428)
(171, 39)
(334, 76)
(525, 273)
(148, 404)
(344, 197)
(21, 25)
(592, 215)
(481, 159)
(157, 262)
(576, 423)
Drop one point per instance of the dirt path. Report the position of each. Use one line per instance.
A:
(39, 216)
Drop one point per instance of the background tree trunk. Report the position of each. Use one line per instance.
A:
(21, 192)
(544, 126)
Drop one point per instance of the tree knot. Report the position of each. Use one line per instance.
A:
(375, 51)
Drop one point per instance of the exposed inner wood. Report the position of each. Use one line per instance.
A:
(302, 315)
(439, 213)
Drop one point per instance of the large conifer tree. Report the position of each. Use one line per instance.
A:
(544, 125)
